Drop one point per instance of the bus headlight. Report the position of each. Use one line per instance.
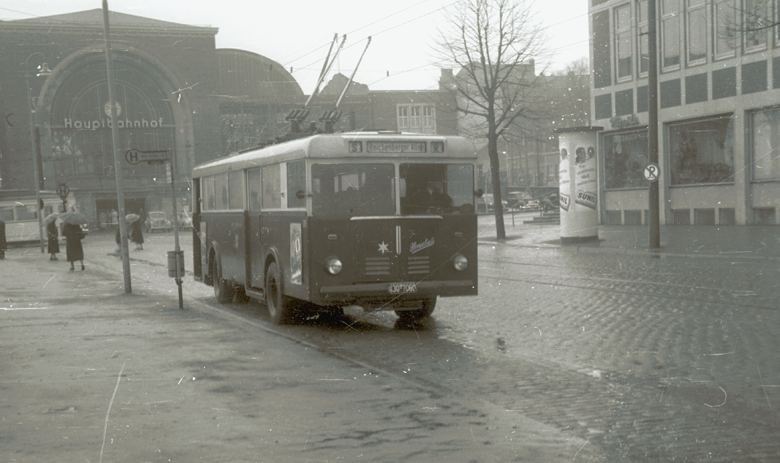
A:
(460, 262)
(333, 266)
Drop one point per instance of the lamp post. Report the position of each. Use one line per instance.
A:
(43, 70)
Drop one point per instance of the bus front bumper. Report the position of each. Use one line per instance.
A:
(395, 291)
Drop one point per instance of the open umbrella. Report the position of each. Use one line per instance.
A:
(73, 217)
(50, 218)
(130, 218)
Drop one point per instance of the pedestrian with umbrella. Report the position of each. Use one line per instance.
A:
(136, 233)
(52, 235)
(73, 235)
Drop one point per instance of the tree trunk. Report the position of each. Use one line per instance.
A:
(495, 175)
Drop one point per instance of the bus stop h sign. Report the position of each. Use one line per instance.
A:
(134, 156)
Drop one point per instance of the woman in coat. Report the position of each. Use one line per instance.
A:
(53, 237)
(73, 250)
(137, 235)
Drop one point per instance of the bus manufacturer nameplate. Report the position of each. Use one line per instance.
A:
(395, 147)
(402, 287)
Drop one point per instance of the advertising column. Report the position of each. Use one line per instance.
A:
(578, 188)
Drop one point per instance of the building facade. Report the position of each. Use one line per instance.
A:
(719, 110)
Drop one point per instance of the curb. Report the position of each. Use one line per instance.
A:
(578, 249)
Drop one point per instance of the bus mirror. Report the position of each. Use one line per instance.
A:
(479, 192)
(300, 194)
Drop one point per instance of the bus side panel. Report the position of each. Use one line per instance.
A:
(275, 233)
(225, 232)
(197, 262)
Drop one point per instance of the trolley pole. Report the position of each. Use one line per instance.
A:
(120, 195)
(177, 249)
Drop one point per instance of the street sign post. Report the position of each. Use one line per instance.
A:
(135, 156)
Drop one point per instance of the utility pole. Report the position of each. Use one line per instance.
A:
(654, 221)
(120, 195)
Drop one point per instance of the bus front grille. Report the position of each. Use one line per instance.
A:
(418, 265)
(377, 266)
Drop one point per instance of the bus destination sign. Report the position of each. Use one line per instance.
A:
(395, 147)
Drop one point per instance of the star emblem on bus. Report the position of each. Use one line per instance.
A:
(383, 248)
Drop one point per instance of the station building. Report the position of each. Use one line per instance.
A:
(174, 91)
(719, 110)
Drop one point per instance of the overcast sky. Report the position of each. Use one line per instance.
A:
(296, 33)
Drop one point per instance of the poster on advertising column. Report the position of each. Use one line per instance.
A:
(585, 177)
(564, 181)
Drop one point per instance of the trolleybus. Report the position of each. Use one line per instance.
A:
(19, 212)
(381, 220)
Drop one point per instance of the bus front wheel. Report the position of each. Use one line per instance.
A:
(418, 315)
(223, 290)
(280, 307)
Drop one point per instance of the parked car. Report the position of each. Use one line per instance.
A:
(532, 205)
(157, 221)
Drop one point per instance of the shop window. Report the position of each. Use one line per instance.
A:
(704, 216)
(702, 151)
(613, 218)
(632, 217)
(625, 156)
(765, 143)
(681, 217)
(727, 216)
(764, 215)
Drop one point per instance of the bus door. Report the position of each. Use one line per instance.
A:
(254, 250)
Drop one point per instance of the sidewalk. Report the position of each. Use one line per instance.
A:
(91, 374)
(743, 241)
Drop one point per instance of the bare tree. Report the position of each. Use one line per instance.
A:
(491, 42)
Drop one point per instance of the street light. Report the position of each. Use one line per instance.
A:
(43, 71)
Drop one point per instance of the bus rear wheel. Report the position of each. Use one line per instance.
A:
(418, 315)
(223, 290)
(280, 307)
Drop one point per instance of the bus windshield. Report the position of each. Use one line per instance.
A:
(347, 190)
(437, 189)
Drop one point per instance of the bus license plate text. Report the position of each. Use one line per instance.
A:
(402, 287)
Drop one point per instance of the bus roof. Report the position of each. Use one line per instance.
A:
(324, 146)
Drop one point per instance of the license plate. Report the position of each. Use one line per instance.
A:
(402, 287)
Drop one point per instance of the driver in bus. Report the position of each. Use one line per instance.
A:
(431, 199)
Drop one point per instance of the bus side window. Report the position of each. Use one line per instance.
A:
(272, 188)
(221, 187)
(236, 189)
(296, 182)
(254, 178)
